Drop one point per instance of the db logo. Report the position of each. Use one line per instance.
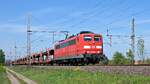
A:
(93, 46)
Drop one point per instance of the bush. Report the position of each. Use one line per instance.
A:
(119, 58)
(130, 57)
(148, 61)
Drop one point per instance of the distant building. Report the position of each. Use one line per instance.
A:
(138, 62)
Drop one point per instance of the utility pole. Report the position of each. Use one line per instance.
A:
(10, 54)
(53, 38)
(133, 38)
(110, 37)
(15, 51)
(29, 40)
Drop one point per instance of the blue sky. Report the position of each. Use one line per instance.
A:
(73, 16)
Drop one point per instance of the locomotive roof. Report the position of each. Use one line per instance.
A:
(62, 41)
(74, 36)
(86, 32)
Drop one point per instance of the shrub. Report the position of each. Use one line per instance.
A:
(118, 58)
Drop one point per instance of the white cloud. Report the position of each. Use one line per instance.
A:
(12, 28)
(41, 12)
(143, 21)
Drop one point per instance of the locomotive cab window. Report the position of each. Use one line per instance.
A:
(72, 42)
(96, 38)
(87, 38)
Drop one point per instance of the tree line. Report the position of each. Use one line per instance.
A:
(120, 59)
(2, 57)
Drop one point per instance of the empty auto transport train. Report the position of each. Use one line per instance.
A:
(82, 49)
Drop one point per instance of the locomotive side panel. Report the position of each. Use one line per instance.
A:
(66, 49)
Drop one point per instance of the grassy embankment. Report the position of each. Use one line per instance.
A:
(3, 76)
(61, 76)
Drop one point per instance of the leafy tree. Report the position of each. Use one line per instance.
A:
(118, 58)
(2, 57)
(130, 57)
(148, 60)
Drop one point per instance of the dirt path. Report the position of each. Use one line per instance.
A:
(21, 77)
(12, 78)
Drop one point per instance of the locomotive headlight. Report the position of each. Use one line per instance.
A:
(87, 47)
(98, 47)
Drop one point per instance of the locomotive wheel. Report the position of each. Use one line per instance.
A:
(52, 64)
(82, 63)
(104, 60)
(93, 63)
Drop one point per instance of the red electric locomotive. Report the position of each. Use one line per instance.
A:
(86, 47)
(83, 48)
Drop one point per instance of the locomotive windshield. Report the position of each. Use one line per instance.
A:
(96, 38)
(87, 38)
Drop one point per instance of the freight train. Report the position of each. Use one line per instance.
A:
(82, 49)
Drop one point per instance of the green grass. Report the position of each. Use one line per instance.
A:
(3, 76)
(61, 76)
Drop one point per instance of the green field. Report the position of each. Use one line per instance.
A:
(3, 76)
(62, 76)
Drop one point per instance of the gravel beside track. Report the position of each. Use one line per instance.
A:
(130, 70)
